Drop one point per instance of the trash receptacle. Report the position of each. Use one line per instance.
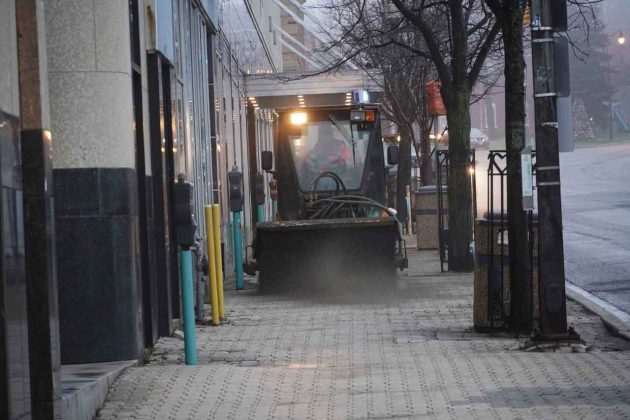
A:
(492, 287)
(426, 208)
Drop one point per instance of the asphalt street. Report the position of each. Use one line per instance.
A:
(596, 212)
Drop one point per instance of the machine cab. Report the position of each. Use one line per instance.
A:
(328, 151)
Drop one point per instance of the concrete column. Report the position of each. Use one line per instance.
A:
(89, 68)
(39, 227)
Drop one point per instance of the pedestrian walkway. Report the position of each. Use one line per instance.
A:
(409, 353)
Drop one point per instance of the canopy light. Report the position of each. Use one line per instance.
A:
(298, 118)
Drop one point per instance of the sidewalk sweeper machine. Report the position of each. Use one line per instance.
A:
(332, 227)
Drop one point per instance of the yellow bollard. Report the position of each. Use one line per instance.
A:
(212, 271)
(216, 224)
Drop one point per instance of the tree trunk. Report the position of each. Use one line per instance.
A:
(426, 167)
(521, 292)
(460, 223)
(404, 169)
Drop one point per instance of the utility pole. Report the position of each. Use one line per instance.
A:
(547, 17)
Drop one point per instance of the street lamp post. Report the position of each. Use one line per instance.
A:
(621, 40)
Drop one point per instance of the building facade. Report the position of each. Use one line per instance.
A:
(102, 106)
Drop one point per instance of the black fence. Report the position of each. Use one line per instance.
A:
(497, 240)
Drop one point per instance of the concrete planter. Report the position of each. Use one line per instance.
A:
(426, 208)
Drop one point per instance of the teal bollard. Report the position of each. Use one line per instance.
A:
(188, 301)
(261, 213)
(238, 249)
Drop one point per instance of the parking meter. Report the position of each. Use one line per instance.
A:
(273, 189)
(183, 218)
(235, 183)
(259, 183)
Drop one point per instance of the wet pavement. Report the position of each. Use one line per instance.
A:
(410, 352)
(596, 211)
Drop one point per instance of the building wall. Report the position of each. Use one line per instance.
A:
(98, 190)
(103, 164)
(291, 61)
(15, 395)
(9, 93)
(248, 28)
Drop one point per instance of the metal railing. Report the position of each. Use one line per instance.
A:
(497, 234)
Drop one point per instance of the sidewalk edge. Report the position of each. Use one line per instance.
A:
(613, 317)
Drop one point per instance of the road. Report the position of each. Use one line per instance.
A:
(596, 211)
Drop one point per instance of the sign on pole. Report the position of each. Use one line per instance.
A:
(527, 179)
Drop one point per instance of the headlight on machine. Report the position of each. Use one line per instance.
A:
(298, 118)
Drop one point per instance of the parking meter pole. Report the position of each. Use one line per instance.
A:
(218, 257)
(188, 302)
(212, 269)
(260, 213)
(236, 198)
(238, 249)
(408, 203)
(185, 228)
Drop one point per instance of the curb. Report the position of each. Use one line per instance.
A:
(613, 317)
(595, 145)
(85, 391)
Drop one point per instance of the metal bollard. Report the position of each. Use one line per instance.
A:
(212, 270)
(238, 249)
(408, 203)
(218, 258)
(188, 297)
(261, 213)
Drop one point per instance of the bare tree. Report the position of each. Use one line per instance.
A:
(456, 36)
(459, 35)
(390, 47)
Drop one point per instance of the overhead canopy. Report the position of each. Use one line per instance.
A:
(278, 91)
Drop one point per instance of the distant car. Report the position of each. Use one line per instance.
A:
(477, 138)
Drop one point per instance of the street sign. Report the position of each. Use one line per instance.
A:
(562, 73)
(566, 141)
(559, 15)
(527, 179)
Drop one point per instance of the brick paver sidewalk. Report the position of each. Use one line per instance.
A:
(407, 353)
